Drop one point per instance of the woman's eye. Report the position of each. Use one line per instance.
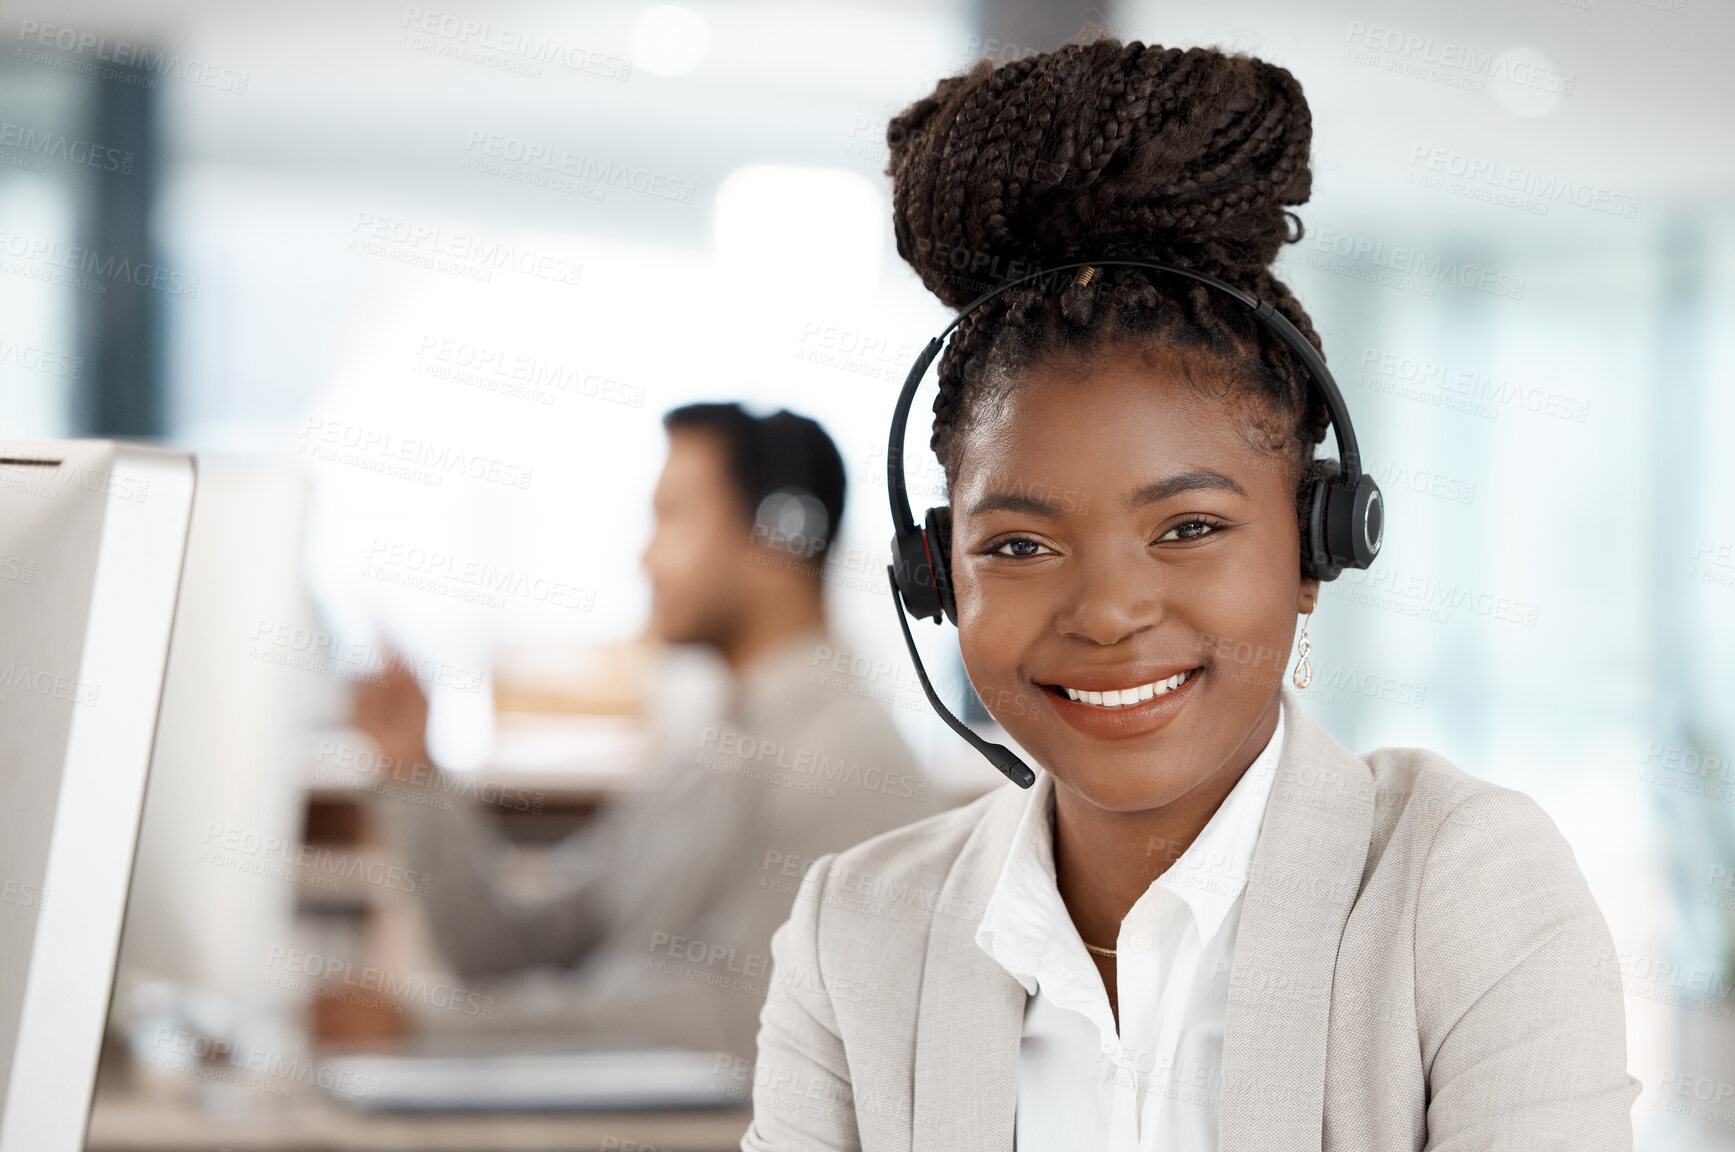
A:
(1189, 530)
(1017, 542)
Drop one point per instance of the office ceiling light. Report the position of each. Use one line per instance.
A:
(670, 40)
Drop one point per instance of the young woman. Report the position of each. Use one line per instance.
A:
(1208, 925)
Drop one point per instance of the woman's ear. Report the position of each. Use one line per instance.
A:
(1309, 594)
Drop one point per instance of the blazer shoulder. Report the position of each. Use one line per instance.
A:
(901, 878)
(1426, 808)
(924, 848)
(1421, 781)
(1513, 974)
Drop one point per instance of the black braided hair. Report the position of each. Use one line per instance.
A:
(1103, 149)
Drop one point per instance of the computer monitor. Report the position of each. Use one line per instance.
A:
(92, 538)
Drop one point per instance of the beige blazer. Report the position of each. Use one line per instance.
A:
(1420, 965)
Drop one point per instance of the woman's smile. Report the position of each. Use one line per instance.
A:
(1108, 713)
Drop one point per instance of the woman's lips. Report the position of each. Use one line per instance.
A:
(1127, 720)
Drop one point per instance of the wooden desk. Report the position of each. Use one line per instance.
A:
(135, 1120)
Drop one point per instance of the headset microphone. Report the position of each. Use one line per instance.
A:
(998, 755)
(1345, 519)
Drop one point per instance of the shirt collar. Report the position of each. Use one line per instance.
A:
(1025, 913)
(1213, 870)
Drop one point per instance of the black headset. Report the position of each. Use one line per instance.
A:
(782, 462)
(1345, 520)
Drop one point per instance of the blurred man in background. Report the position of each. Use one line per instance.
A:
(666, 899)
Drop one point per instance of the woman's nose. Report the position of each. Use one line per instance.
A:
(1111, 598)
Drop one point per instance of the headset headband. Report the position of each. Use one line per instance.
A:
(1349, 455)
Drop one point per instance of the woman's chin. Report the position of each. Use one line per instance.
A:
(1120, 789)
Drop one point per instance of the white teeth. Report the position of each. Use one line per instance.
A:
(1121, 697)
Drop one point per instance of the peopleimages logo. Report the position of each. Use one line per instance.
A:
(478, 581)
(87, 269)
(414, 458)
(33, 359)
(34, 35)
(1446, 61)
(228, 846)
(1480, 178)
(510, 373)
(507, 49)
(54, 146)
(500, 151)
(441, 249)
(1407, 261)
(1474, 390)
(744, 754)
(250, 1066)
(22, 677)
(332, 972)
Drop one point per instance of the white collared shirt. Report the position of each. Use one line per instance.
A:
(1155, 1085)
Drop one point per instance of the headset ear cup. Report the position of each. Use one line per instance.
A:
(939, 528)
(1318, 563)
(1354, 523)
(913, 576)
(1368, 521)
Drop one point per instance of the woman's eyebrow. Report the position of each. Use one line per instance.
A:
(1195, 480)
(1014, 502)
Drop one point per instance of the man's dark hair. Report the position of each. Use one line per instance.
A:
(779, 453)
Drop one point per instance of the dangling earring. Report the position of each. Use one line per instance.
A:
(1303, 667)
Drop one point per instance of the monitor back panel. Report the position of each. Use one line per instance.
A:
(92, 538)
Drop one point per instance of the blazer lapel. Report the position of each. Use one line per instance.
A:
(970, 1020)
(1306, 873)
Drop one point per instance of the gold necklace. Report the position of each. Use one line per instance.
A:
(1053, 837)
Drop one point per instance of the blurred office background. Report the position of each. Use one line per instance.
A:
(263, 233)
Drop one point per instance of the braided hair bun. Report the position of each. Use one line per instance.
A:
(1103, 149)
